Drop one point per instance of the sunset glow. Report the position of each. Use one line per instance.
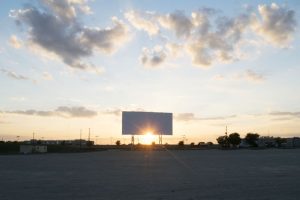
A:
(148, 138)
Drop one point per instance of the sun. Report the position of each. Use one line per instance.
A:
(148, 138)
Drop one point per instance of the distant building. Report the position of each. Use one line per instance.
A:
(293, 142)
(25, 149)
(266, 141)
(244, 144)
(61, 142)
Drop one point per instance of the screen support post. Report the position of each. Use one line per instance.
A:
(160, 139)
(132, 141)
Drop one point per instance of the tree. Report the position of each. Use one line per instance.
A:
(223, 141)
(209, 144)
(118, 142)
(279, 141)
(251, 139)
(201, 144)
(234, 139)
(181, 143)
(192, 144)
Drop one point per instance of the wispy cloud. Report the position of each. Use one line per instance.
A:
(254, 76)
(47, 76)
(19, 99)
(249, 75)
(285, 113)
(14, 75)
(116, 111)
(62, 111)
(192, 117)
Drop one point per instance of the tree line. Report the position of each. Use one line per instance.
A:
(233, 140)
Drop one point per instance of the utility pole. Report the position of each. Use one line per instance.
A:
(89, 134)
(227, 142)
(33, 137)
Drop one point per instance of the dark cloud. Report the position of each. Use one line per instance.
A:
(63, 111)
(57, 30)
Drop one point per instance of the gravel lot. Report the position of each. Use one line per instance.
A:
(114, 174)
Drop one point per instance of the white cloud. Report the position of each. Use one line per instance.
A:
(277, 24)
(210, 38)
(153, 57)
(200, 20)
(68, 9)
(174, 49)
(15, 42)
(143, 21)
(177, 22)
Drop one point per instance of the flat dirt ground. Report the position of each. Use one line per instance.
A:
(114, 174)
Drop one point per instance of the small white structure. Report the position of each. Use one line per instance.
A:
(25, 149)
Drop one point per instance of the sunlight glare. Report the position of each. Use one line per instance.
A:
(148, 138)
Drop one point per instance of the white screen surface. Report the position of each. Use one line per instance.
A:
(140, 123)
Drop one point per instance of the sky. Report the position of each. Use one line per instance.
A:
(71, 65)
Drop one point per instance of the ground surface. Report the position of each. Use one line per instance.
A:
(206, 174)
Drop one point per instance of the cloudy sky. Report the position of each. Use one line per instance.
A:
(67, 65)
